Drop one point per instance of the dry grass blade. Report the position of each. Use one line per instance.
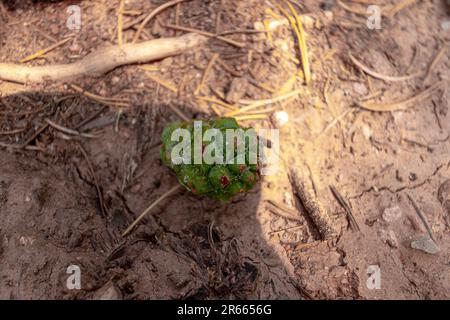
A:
(435, 61)
(163, 83)
(262, 103)
(403, 104)
(103, 100)
(206, 72)
(298, 30)
(12, 132)
(46, 50)
(251, 117)
(350, 9)
(381, 76)
(152, 15)
(292, 214)
(150, 207)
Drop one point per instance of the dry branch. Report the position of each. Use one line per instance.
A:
(103, 60)
(312, 205)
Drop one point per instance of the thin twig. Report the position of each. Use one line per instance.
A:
(103, 100)
(12, 132)
(69, 131)
(218, 102)
(163, 83)
(44, 51)
(90, 118)
(206, 72)
(302, 43)
(421, 216)
(403, 104)
(435, 61)
(381, 76)
(400, 6)
(152, 15)
(346, 207)
(262, 103)
(94, 176)
(292, 214)
(179, 112)
(150, 207)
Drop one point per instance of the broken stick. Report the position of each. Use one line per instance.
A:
(102, 60)
(315, 210)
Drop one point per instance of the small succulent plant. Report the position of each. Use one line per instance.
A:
(215, 181)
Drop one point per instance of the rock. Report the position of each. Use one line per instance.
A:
(308, 22)
(445, 25)
(108, 292)
(237, 89)
(258, 25)
(280, 118)
(425, 244)
(115, 80)
(391, 214)
(367, 132)
(329, 15)
(360, 89)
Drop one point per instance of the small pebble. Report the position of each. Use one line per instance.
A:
(308, 22)
(115, 80)
(445, 25)
(280, 118)
(367, 133)
(360, 89)
(389, 237)
(391, 214)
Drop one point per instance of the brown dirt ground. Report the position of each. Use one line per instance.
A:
(51, 214)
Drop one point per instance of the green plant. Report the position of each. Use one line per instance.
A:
(215, 181)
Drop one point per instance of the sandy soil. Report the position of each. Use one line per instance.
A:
(65, 199)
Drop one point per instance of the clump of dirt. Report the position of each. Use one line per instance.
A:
(66, 198)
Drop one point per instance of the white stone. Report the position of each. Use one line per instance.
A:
(280, 118)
